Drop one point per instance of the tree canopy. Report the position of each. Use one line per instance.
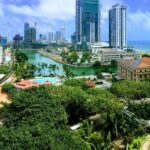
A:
(40, 118)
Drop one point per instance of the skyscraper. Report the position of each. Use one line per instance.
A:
(62, 30)
(117, 26)
(51, 37)
(58, 37)
(26, 26)
(88, 21)
(29, 35)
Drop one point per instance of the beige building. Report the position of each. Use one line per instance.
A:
(107, 55)
(135, 70)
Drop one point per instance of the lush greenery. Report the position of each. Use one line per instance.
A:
(140, 109)
(131, 90)
(146, 55)
(23, 70)
(8, 88)
(135, 94)
(39, 118)
(4, 69)
(72, 57)
(76, 83)
(52, 69)
(137, 143)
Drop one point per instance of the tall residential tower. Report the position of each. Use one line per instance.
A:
(117, 26)
(88, 21)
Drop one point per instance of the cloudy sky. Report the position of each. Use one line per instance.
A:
(50, 15)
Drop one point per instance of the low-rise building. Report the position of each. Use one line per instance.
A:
(136, 70)
(96, 47)
(107, 55)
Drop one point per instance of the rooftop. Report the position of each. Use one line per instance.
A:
(140, 63)
(25, 84)
(119, 5)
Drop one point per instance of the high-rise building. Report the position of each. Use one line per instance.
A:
(117, 26)
(88, 21)
(3, 41)
(51, 37)
(29, 35)
(62, 30)
(58, 37)
(26, 26)
(73, 38)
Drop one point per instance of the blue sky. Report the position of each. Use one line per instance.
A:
(50, 15)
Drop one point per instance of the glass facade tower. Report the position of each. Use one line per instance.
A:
(88, 21)
(117, 26)
(29, 35)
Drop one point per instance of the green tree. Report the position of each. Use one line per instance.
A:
(131, 90)
(99, 75)
(8, 88)
(73, 58)
(20, 57)
(97, 64)
(114, 63)
(68, 73)
(76, 83)
(86, 57)
(145, 55)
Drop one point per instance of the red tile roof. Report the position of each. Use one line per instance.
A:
(90, 83)
(25, 84)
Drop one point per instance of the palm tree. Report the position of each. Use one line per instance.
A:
(44, 66)
(39, 69)
(50, 69)
(54, 68)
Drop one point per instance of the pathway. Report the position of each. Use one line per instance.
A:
(4, 98)
(146, 144)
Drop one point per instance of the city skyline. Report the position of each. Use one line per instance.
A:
(50, 17)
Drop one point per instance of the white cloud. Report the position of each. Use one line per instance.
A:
(106, 5)
(1, 8)
(140, 19)
(51, 9)
(51, 14)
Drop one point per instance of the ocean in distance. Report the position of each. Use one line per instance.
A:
(143, 46)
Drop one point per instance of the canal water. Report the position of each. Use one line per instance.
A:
(36, 58)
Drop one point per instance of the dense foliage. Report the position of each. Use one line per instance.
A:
(8, 88)
(39, 118)
(131, 89)
(76, 83)
(141, 109)
(20, 56)
(23, 69)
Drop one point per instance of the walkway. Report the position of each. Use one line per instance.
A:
(146, 144)
(4, 99)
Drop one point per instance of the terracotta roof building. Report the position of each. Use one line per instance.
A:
(136, 70)
(90, 83)
(25, 84)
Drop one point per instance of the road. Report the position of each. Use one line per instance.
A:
(146, 144)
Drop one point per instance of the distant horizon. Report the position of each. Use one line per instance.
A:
(49, 17)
